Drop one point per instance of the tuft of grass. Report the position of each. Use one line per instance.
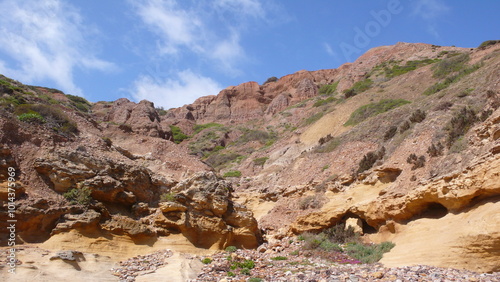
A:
(392, 69)
(322, 102)
(231, 249)
(79, 103)
(373, 109)
(450, 65)
(488, 43)
(31, 117)
(168, 197)
(233, 173)
(279, 258)
(53, 117)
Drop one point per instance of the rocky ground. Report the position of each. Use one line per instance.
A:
(303, 265)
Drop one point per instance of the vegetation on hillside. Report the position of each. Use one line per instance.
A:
(373, 109)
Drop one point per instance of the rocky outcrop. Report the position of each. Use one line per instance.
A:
(204, 212)
(141, 118)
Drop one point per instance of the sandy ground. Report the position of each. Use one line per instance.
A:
(99, 256)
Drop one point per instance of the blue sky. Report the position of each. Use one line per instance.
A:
(174, 51)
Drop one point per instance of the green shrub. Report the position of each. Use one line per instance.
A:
(397, 70)
(31, 117)
(373, 109)
(368, 253)
(358, 87)
(245, 271)
(450, 65)
(177, 134)
(451, 79)
(328, 89)
(53, 116)
(168, 197)
(206, 260)
(255, 279)
(79, 103)
(79, 196)
(231, 249)
(279, 258)
(161, 111)
(488, 43)
(199, 127)
(260, 161)
(233, 173)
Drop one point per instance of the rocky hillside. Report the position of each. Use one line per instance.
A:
(401, 144)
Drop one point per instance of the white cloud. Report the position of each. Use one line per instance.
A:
(46, 40)
(168, 92)
(430, 11)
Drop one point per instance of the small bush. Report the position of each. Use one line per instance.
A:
(390, 132)
(370, 159)
(231, 249)
(341, 235)
(310, 202)
(168, 197)
(358, 87)
(461, 122)
(79, 103)
(451, 79)
(327, 144)
(368, 253)
(435, 150)
(418, 116)
(255, 279)
(245, 271)
(271, 79)
(107, 141)
(260, 161)
(177, 134)
(373, 109)
(405, 126)
(218, 159)
(79, 196)
(328, 89)
(233, 173)
(206, 260)
(53, 116)
(279, 258)
(417, 162)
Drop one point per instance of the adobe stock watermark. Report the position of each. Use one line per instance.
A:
(372, 28)
(11, 222)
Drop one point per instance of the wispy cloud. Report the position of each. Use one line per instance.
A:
(207, 33)
(182, 89)
(46, 40)
(430, 11)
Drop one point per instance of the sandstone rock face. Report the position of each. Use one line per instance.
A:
(204, 212)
